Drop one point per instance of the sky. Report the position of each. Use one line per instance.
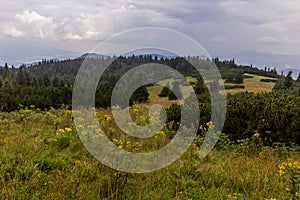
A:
(36, 29)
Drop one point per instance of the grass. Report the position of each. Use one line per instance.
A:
(251, 85)
(255, 85)
(155, 99)
(156, 89)
(42, 157)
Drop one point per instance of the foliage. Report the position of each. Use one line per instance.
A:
(268, 80)
(228, 87)
(42, 157)
(290, 169)
(235, 77)
(56, 78)
(274, 115)
(285, 83)
(165, 92)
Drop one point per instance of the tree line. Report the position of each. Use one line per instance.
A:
(50, 83)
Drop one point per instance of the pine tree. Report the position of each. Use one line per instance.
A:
(6, 71)
(46, 79)
(298, 79)
(175, 90)
(200, 86)
(165, 91)
(288, 80)
(140, 95)
(21, 76)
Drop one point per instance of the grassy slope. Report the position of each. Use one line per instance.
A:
(251, 85)
(254, 85)
(40, 161)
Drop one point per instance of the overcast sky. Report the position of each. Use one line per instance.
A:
(224, 27)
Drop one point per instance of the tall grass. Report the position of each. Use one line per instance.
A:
(42, 157)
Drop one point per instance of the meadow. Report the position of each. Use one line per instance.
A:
(42, 157)
(253, 84)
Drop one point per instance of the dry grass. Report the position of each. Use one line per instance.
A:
(38, 163)
(254, 85)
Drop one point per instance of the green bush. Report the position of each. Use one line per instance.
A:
(268, 80)
(228, 87)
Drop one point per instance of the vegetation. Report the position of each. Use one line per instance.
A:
(228, 87)
(253, 84)
(285, 83)
(49, 83)
(43, 158)
(268, 80)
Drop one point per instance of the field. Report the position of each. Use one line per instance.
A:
(251, 85)
(254, 85)
(42, 157)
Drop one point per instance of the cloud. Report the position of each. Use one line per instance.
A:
(244, 24)
(219, 39)
(13, 32)
(32, 24)
(90, 24)
(33, 17)
(268, 39)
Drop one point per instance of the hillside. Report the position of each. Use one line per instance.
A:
(254, 84)
(50, 83)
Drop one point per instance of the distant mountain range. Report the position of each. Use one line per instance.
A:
(17, 51)
(159, 53)
(15, 54)
(282, 62)
(93, 55)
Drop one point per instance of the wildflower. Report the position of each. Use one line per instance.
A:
(107, 118)
(161, 133)
(135, 110)
(281, 172)
(115, 140)
(209, 123)
(111, 130)
(68, 129)
(68, 112)
(256, 135)
(194, 146)
(61, 130)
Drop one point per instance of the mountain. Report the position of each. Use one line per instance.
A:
(18, 51)
(283, 63)
(93, 55)
(159, 53)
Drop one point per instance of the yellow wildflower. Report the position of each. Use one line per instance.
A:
(161, 133)
(256, 135)
(68, 129)
(61, 130)
(107, 118)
